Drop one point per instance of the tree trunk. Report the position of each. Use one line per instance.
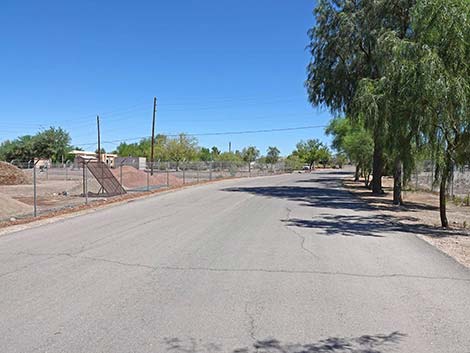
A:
(356, 174)
(377, 169)
(442, 193)
(397, 181)
(442, 203)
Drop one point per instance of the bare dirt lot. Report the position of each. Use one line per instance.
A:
(422, 208)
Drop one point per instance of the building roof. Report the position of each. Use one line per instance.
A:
(93, 154)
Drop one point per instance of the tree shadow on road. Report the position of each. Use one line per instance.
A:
(330, 196)
(363, 344)
(327, 197)
(361, 225)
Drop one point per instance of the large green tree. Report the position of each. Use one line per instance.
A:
(53, 143)
(345, 50)
(443, 38)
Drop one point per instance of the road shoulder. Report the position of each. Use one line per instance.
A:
(421, 211)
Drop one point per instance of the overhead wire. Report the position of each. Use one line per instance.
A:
(222, 133)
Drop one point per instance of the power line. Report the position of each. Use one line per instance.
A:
(222, 133)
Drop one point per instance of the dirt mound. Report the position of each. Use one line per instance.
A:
(134, 178)
(11, 175)
(10, 207)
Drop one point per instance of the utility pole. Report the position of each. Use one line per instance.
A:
(99, 141)
(153, 135)
(99, 149)
(230, 147)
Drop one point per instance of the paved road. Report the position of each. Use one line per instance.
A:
(288, 263)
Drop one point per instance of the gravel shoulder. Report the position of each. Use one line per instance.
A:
(421, 210)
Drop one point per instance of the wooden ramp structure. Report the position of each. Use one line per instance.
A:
(105, 178)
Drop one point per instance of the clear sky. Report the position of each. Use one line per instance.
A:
(214, 66)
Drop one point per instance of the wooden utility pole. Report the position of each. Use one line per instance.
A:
(152, 161)
(99, 152)
(99, 139)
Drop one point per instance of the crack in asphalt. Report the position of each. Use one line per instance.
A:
(239, 270)
(300, 236)
(251, 323)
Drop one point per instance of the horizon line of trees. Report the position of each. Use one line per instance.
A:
(55, 144)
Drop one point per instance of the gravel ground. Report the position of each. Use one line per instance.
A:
(422, 208)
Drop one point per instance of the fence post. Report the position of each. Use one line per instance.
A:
(85, 185)
(168, 174)
(148, 181)
(34, 190)
(197, 172)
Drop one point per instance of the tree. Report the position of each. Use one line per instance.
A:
(352, 139)
(53, 143)
(249, 155)
(339, 128)
(143, 148)
(205, 154)
(443, 38)
(345, 51)
(182, 148)
(340, 159)
(359, 147)
(20, 149)
(293, 162)
(324, 155)
(308, 151)
(230, 157)
(272, 155)
(215, 152)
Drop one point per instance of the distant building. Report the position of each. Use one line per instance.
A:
(136, 162)
(42, 163)
(80, 156)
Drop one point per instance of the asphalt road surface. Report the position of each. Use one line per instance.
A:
(290, 263)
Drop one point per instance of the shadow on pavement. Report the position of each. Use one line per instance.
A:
(362, 344)
(370, 226)
(329, 195)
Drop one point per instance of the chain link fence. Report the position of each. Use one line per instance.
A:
(47, 188)
(423, 178)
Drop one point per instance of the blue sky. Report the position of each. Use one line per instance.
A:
(214, 66)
